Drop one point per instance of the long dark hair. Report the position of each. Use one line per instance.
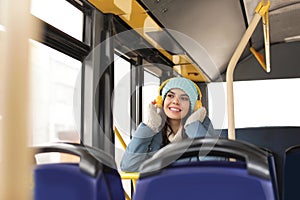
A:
(167, 127)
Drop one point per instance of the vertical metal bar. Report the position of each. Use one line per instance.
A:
(104, 138)
(87, 39)
(140, 81)
(137, 80)
(15, 164)
(133, 124)
(267, 40)
(90, 124)
(229, 74)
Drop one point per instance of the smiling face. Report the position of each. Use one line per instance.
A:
(176, 104)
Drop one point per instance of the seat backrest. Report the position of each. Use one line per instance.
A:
(273, 171)
(250, 178)
(94, 177)
(277, 139)
(291, 175)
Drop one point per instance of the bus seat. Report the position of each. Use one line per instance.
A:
(276, 139)
(291, 175)
(246, 177)
(94, 178)
(273, 170)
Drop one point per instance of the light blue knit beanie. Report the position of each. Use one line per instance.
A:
(184, 84)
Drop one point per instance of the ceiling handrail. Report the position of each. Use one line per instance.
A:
(260, 11)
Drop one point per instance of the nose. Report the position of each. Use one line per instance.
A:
(175, 101)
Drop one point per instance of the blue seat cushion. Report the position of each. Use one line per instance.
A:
(204, 180)
(66, 181)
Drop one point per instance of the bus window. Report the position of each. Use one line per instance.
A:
(151, 84)
(121, 108)
(60, 14)
(261, 103)
(55, 88)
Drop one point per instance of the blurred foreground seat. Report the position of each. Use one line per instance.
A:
(246, 177)
(94, 178)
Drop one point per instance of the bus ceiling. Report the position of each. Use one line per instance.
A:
(200, 36)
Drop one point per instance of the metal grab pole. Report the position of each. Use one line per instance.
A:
(16, 160)
(260, 11)
(267, 40)
(120, 138)
(229, 74)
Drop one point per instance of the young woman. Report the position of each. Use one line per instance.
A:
(176, 114)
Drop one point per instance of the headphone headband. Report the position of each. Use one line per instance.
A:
(159, 99)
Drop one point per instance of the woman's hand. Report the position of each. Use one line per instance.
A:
(199, 115)
(153, 118)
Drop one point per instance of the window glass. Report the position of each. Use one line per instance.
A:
(56, 87)
(258, 103)
(150, 89)
(121, 97)
(60, 14)
(121, 109)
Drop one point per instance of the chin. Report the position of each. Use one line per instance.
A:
(174, 116)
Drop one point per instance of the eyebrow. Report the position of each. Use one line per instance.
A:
(180, 95)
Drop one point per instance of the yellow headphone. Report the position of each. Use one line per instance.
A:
(159, 99)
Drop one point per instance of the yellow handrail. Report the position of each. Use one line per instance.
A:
(259, 57)
(260, 10)
(120, 138)
(127, 196)
(133, 176)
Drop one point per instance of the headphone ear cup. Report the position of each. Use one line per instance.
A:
(198, 105)
(159, 101)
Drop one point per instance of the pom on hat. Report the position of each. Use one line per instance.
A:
(184, 84)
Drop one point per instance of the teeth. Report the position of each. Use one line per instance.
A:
(174, 109)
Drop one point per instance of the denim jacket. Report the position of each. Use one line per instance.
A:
(145, 143)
